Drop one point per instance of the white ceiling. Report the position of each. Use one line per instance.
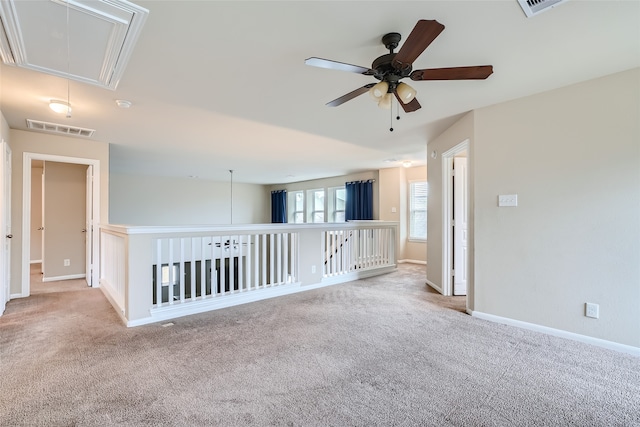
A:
(222, 85)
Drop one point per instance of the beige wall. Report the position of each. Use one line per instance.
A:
(390, 190)
(394, 194)
(461, 131)
(34, 142)
(36, 213)
(572, 156)
(4, 128)
(415, 251)
(64, 219)
(155, 200)
(327, 183)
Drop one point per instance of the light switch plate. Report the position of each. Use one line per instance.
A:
(508, 200)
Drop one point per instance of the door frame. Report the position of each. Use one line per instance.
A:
(447, 215)
(26, 212)
(5, 224)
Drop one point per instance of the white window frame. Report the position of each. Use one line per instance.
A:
(291, 206)
(311, 208)
(412, 210)
(333, 202)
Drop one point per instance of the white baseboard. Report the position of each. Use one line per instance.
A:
(69, 277)
(434, 286)
(209, 304)
(213, 303)
(13, 296)
(411, 261)
(35, 261)
(623, 348)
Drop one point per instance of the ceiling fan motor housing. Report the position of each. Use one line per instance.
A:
(384, 71)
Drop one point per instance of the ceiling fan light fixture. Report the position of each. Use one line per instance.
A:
(60, 107)
(379, 90)
(385, 102)
(405, 92)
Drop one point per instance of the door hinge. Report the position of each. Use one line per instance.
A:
(453, 222)
(453, 172)
(453, 272)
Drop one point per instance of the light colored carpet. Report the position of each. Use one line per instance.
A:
(378, 352)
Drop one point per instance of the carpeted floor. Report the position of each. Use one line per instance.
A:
(378, 352)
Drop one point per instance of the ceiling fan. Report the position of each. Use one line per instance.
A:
(393, 67)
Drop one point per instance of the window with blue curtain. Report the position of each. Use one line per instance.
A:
(279, 206)
(359, 200)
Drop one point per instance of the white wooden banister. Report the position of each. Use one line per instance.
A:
(156, 273)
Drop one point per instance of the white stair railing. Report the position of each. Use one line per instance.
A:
(156, 273)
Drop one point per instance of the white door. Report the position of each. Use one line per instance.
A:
(5, 225)
(88, 228)
(460, 231)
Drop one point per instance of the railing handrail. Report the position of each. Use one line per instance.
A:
(243, 228)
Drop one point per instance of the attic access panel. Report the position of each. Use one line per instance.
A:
(85, 40)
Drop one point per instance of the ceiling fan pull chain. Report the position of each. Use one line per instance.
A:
(391, 118)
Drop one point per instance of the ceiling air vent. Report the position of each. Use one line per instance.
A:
(59, 129)
(534, 7)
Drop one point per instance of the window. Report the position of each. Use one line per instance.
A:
(316, 205)
(339, 197)
(418, 210)
(296, 207)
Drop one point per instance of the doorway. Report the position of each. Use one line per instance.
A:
(455, 255)
(92, 217)
(5, 224)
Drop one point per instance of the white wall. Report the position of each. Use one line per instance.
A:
(155, 200)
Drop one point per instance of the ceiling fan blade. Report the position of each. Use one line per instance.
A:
(340, 66)
(479, 72)
(349, 96)
(409, 106)
(420, 38)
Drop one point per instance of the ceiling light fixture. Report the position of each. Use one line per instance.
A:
(123, 103)
(379, 90)
(60, 107)
(406, 163)
(405, 92)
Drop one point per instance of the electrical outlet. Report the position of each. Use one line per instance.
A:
(67, 262)
(313, 269)
(592, 310)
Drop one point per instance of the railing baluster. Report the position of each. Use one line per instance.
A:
(222, 282)
(285, 258)
(256, 259)
(203, 265)
(271, 260)
(181, 271)
(264, 260)
(232, 264)
(192, 265)
(279, 258)
(241, 281)
(159, 273)
(172, 278)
